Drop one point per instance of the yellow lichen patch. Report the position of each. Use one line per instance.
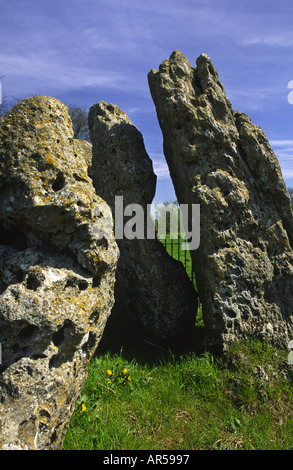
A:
(49, 159)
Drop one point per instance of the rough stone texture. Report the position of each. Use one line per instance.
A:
(56, 279)
(220, 160)
(84, 148)
(151, 288)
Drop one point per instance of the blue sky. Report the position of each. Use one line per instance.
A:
(84, 51)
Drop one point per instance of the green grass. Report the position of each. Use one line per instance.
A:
(190, 401)
(144, 396)
(176, 251)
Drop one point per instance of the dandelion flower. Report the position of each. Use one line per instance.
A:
(128, 378)
(83, 407)
(109, 372)
(124, 370)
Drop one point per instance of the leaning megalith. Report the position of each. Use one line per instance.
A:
(56, 278)
(217, 158)
(152, 289)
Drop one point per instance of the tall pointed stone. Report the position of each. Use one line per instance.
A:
(220, 160)
(152, 289)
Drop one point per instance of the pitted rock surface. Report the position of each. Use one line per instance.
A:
(217, 158)
(152, 289)
(56, 278)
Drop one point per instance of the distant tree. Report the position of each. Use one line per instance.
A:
(169, 214)
(4, 105)
(79, 117)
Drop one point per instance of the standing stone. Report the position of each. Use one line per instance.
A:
(56, 279)
(152, 289)
(220, 160)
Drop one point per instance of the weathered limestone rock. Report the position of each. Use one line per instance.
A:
(151, 287)
(56, 279)
(83, 147)
(220, 160)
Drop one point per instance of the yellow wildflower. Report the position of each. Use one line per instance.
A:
(109, 372)
(124, 370)
(83, 407)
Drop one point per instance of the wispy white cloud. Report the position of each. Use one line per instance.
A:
(106, 47)
(284, 152)
(254, 99)
(160, 167)
(282, 39)
(283, 143)
(287, 173)
(58, 73)
(85, 45)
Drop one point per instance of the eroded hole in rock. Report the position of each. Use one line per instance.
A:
(29, 370)
(19, 353)
(90, 344)
(13, 237)
(94, 316)
(34, 280)
(68, 329)
(102, 242)
(231, 313)
(27, 333)
(67, 339)
(59, 182)
(83, 284)
(78, 178)
(55, 361)
(97, 280)
(44, 414)
(19, 275)
(70, 283)
(56, 435)
(58, 337)
(15, 276)
(38, 356)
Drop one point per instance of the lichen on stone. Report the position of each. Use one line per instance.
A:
(220, 160)
(56, 278)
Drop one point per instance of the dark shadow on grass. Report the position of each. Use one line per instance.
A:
(136, 344)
